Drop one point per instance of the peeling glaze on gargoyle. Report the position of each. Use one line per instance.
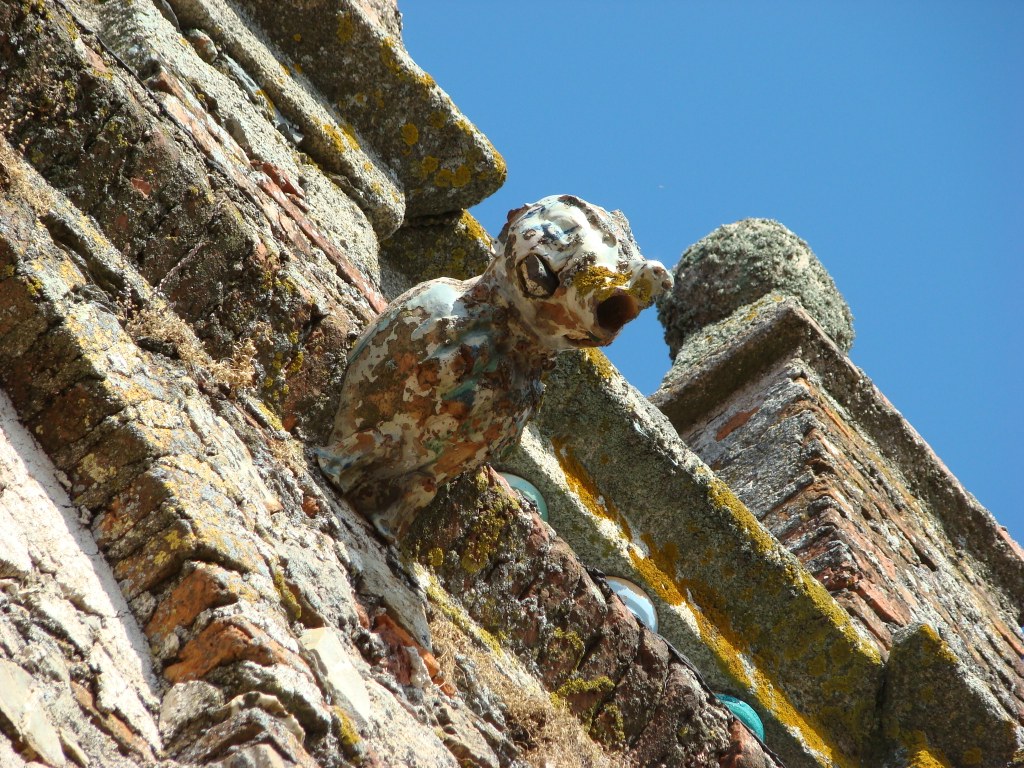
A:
(451, 371)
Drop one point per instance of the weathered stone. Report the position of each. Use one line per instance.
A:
(442, 162)
(681, 533)
(185, 704)
(328, 139)
(344, 681)
(577, 616)
(826, 463)
(738, 264)
(204, 587)
(14, 558)
(745, 751)
(929, 692)
(465, 741)
(250, 725)
(452, 245)
(23, 712)
(224, 641)
(210, 170)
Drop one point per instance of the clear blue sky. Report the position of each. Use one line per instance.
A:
(890, 136)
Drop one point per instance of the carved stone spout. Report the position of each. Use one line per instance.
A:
(450, 373)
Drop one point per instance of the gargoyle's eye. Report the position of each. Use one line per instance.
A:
(538, 281)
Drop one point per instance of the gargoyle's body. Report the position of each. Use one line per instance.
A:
(451, 372)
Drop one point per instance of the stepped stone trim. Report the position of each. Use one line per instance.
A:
(442, 161)
(733, 353)
(632, 691)
(837, 474)
(730, 596)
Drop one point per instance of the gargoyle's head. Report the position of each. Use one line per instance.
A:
(574, 271)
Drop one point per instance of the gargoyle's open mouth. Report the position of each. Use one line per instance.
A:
(615, 311)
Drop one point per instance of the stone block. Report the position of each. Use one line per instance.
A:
(344, 681)
(583, 642)
(451, 245)
(726, 592)
(23, 716)
(225, 641)
(442, 162)
(934, 702)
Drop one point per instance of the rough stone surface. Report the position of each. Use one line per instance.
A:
(22, 711)
(442, 162)
(199, 214)
(738, 264)
(631, 690)
(65, 635)
(677, 530)
(930, 692)
(450, 245)
(839, 477)
(345, 681)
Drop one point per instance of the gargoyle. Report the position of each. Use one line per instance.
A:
(450, 373)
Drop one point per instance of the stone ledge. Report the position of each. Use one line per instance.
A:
(641, 505)
(442, 161)
(631, 691)
(722, 358)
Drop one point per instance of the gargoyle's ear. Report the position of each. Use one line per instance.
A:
(512, 215)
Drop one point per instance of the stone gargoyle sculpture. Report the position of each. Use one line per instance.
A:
(450, 373)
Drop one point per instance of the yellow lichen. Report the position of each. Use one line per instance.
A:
(583, 486)
(577, 686)
(462, 176)
(435, 557)
(922, 754)
(474, 229)
(410, 134)
(598, 280)
(458, 617)
(348, 736)
(342, 137)
(428, 165)
(600, 363)
(748, 671)
(346, 28)
(288, 601)
(483, 539)
(572, 639)
(443, 178)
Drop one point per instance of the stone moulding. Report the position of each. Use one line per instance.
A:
(728, 595)
(442, 162)
(827, 463)
(758, 336)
